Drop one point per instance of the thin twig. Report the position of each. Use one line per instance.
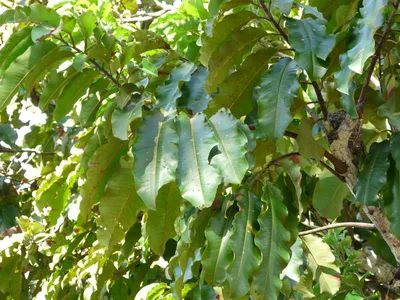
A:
(320, 99)
(272, 162)
(93, 61)
(333, 171)
(285, 36)
(363, 94)
(271, 18)
(338, 225)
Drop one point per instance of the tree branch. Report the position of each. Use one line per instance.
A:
(271, 18)
(93, 61)
(338, 225)
(340, 166)
(363, 94)
(320, 99)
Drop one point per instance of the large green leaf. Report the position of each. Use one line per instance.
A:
(395, 148)
(221, 62)
(16, 45)
(41, 13)
(236, 92)
(101, 166)
(54, 87)
(363, 46)
(278, 89)
(121, 118)
(322, 263)
(194, 96)
(246, 255)
(73, 91)
(232, 162)
(308, 146)
(392, 199)
(272, 239)
(29, 66)
(119, 205)
(221, 32)
(167, 94)
(312, 45)
(56, 56)
(217, 255)
(160, 224)
(328, 195)
(373, 176)
(155, 152)
(197, 180)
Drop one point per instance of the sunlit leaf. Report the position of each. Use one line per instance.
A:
(197, 180)
(231, 162)
(246, 256)
(155, 152)
(119, 205)
(272, 239)
(278, 89)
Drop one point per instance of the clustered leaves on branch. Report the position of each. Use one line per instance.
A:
(215, 150)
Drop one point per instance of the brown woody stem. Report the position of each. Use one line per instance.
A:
(338, 225)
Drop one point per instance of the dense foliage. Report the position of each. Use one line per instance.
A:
(160, 150)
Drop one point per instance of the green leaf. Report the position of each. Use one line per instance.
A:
(101, 167)
(329, 194)
(167, 94)
(121, 118)
(347, 101)
(160, 223)
(125, 94)
(246, 255)
(312, 45)
(155, 152)
(278, 89)
(373, 176)
(52, 59)
(283, 5)
(15, 45)
(73, 91)
(272, 239)
(236, 92)
(292, 270)
(217, 255)
(308, 146)
(220, 62)
(41, 13)
(27, 67)
(232, 162)
(79, 61)
(322, 263)
(119, 205)
(197, 180)
(89, 108)
(221, 32)
(8, 135)
(194, 96)
(86, 22)
(395, 148)
(149, 68)
(99, 53)
(391, 196)
(55, 86)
